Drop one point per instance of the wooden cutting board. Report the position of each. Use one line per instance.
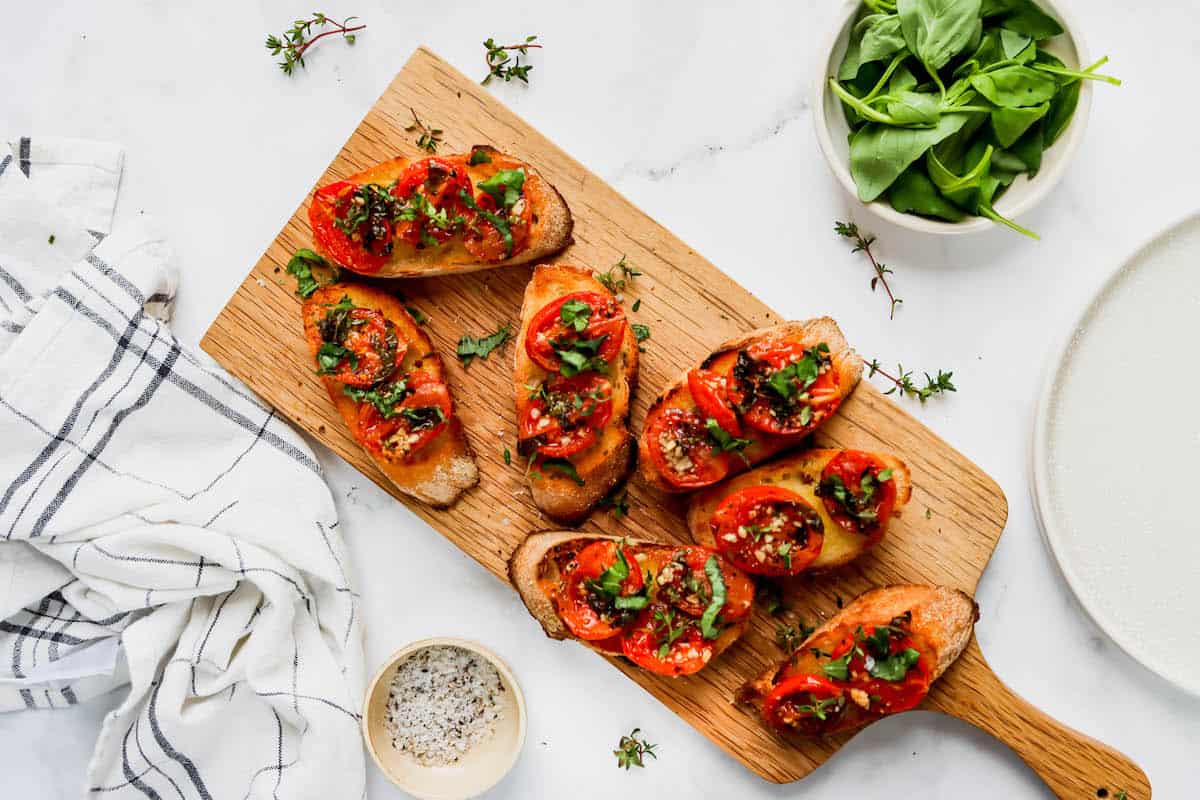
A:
(946, 537)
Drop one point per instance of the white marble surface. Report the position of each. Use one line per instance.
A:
(682, 106)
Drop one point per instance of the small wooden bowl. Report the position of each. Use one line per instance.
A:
(481, 768)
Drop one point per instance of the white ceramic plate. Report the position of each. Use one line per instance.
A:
(1116, 456)
(1023, 195)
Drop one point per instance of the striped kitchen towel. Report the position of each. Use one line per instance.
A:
(160, 528)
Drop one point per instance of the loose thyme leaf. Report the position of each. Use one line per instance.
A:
(504, 64)
(903, 383)
(430, 138)
(862, 243)
(617, 283)
(469, 348)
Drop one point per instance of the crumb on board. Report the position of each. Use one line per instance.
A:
(443, 700)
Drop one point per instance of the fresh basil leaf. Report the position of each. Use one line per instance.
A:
(839, 668)
(937, 30)
(1024, 16)
(300, 267)
(575, 314)
(1015, 87)
(469, 348)
(1013, 43)
(1010, 124)
(894, 668)
(914, 193)
(708, 626)
(879, 153)
(915, 108)
(504, 187)
(881, 39)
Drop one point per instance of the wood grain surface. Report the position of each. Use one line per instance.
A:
(945, 537)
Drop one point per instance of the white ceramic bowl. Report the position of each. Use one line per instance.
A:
(481, 768)
(1022, 195)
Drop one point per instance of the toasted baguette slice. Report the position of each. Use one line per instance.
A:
(846, 364)
(535, 571)
(800, 472)
(610, 460)
(443, 469)
(549, 232)
(941, 619)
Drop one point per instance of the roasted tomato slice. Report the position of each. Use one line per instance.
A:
(398, 433)
(576, 317)
(667, 642)
(858, 492)
(494, 234)
(888, 669)
(431, 191)
(683, 582)
(784, 388)
(365, 343)
(589, 613)
(360, 240)
(680, 450)
(565, 414)
(768, 530)
(708, 390)
(805, 703)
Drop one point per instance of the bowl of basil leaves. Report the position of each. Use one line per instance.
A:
(953, 116)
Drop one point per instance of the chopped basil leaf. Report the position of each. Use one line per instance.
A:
(507, 456)
(722, 440)
(708, 627)
(504, 187)
(575, 314)
(423, 417)
(300, 267)
(330, 355)
(642, 332)
(498, 222)
(839, 668)
(581, 355)
(469, 347)
(385, 398)
(417, 314)
(479, 156)
(665, 631)
(879, 643)
(637, 304)
(895, 667)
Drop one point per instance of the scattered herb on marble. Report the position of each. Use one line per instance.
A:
(902, 382)
(948, 101)
(862, 244)
(51, 239)
(296, 41)
(430, 138)
(504, 61)
(470, 348)
(631, 750)
(618, 277)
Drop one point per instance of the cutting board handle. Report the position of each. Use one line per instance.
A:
(1074, 766)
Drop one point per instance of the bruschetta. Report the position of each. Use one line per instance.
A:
(439, 215)
(389, 385)
(669, 609)
(575, 373)
(754, 396)
(810, 510)
(877, 656)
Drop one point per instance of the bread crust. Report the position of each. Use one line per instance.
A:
(550, 231)
(799, 472)
(942, 617)
(531, 565)
(610, 461)
(809, 332)
(443, 469)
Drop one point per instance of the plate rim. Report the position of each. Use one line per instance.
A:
(1038, 456)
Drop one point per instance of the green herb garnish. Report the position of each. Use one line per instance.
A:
(631, 750)
(498, 58)
(430, 138)
(708, 626)
(297, 39)
(862, 244)
(575, 314)
(470, 348)
(301, 266)
(904, 385)
(563, 467)
(839, 668)
(504, 187)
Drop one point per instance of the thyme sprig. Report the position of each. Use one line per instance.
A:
(297, 39)
(904, 384)
(430, 138)
(862, 243)
(499, 57)
(631, 751)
